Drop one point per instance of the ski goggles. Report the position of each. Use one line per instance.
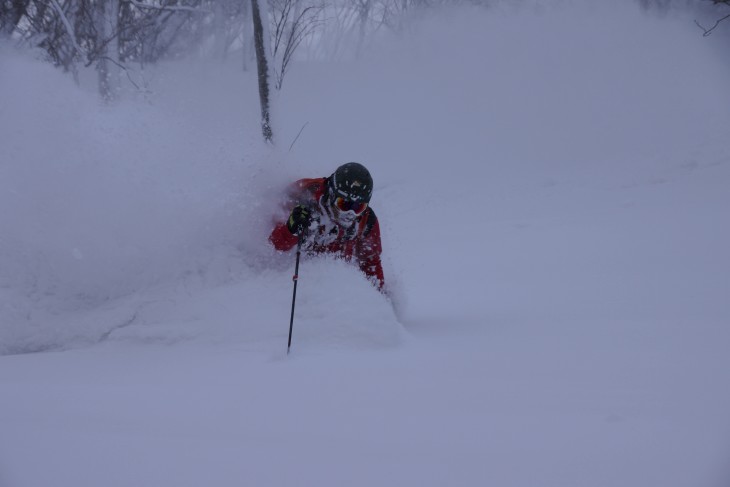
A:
(356, 207)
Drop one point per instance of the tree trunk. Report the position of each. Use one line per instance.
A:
(220, 41)
(262, 64)
(107, 67)
(363, 17)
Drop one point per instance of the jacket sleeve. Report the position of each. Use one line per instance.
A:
(299, 192)
(281, 238)
(368, 253)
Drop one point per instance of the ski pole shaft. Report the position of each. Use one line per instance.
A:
(294, 296)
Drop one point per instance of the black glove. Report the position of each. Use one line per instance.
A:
(299, 219)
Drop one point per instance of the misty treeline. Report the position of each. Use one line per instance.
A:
(121, 37)
(118, 38)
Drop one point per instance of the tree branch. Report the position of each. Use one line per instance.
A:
(67, 25)
(709, 31)
(126, 71)
(297, 137)
(181, 8)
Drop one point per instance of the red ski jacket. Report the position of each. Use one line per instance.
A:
(360, 241)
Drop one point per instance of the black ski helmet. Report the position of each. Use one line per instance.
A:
(352, 181)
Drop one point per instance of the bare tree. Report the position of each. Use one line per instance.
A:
(107, 52)
(261, 41)
(107, 34)
(292, 22)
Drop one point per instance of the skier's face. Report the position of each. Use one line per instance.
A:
(345, 218)
(345, 205)
(346, 211)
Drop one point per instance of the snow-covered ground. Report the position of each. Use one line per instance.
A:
(553, 187)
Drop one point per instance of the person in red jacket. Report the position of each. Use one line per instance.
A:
(333, 215)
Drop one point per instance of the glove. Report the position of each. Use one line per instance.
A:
(299, 219)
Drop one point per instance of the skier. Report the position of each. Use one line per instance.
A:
(333, 216)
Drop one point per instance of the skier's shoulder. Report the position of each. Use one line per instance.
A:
(309, 185)
(307, 189)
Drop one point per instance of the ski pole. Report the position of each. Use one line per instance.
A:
(294, 296)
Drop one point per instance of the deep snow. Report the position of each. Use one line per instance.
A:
(552, 186)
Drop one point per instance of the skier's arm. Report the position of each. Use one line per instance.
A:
(368, 254)
(281, 238)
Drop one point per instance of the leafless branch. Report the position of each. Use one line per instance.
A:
(290, 29)
(297, 137)
(706, 31)
(67, 25)
(127, 73)
(182, 8)
(709, 31)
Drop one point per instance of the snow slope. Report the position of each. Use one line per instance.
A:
(552, 186)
